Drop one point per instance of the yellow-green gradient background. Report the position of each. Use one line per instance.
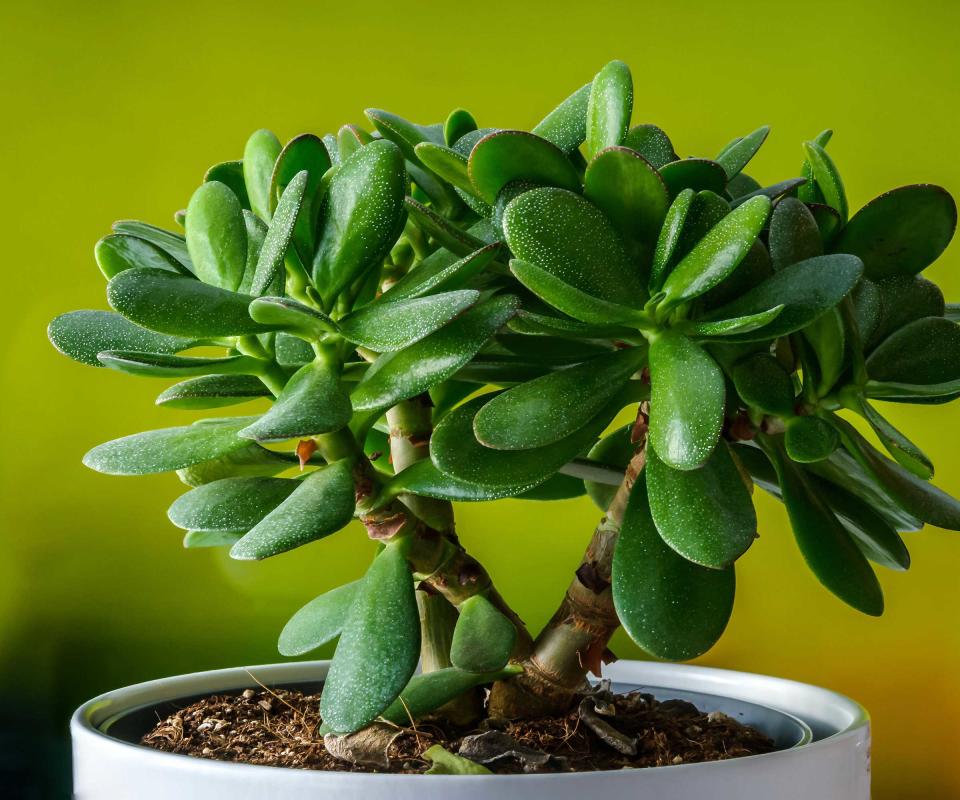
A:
(114, 110)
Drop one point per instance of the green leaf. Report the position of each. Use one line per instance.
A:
(403, 133)
(699, 174)
(542, 411)
(794, 235)
(259, 156)
(669, 238)
(81, 335)
(809, 439)
(557, 487)
(378, 649)
(825, 544)
(483, 637)
(569, 237)
(321, 504)
(652, 143)
(729, 327)
(167, 449)
(268, 278)
(448, 235)
(195, 539)
(442, 271)
(828, 221)
(738, 154)
(308, 153)
(927, 351)
(432, 690)
(772, 192)
(312, 402)
(217, 236)
(361, 216)
(318, 622)
(807, 289)
(446, 763)
(351, 138)
(456, 452)
(162, 365)
(173, 244)
(251, 460)
(406, 373)
(174, 304)
(763, 383)
(301, 320)
(230, 504)
(902, 299)
(810, 192)
(566, 125)
(256, 234)
(458, 124)
(632, 195)
(118, 252)
(615, 451)
(213, 391)
(897, 445)
(231, 174)
(447, 163)
(671, 607)
(901, 232)
(828, 179)
(742, 185)
(827, 337)
(423, 479)
(716, 255)
(686, 401)
(394, 324)
(934, 393)
(609, 107)
(705, 514)
(505, 156)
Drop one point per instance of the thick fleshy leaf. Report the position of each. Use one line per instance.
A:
(901, 232)
(827, 337)
(446, 233)
(293, 316)
(794, 235)
(902, 299)
(312, 402)
(483, 637)
(632, 195)
(173, 244)
(706, 211)
(716, 255)
(686, 401)
(669, 606)
(558, 487)
(217, 236)
(250, 461)
(807, 289)
(569, 237)
(827, 177)
(705, 514)
(458, 124)
(230, 504)
(729, 327)
(742, 185)
(739, 152)
(167, 449)
(81, 335)
(699, 174)
(456, 452)
(809, 439)
(403, 133)
(321, 504)
(423, 479)
(927, 351)
(763, 383)
(547, 409)
(447, 163)
(825, 544)
(256, 234)
(213, 391)
(431, 690)
(318, 622)
(303, 153)
(442, 271)
(443, 762)
(385, 325)
(652, 143)
(195, 539)
(772, 192)
(175, 304)
(406, 373)
(614, 451)
(231, 174)
(118, 252)
(351, 138)
(669, 238)
(361, 216)
(810, 192)
(566, 125)
(378, 649)
(930, 394)
(259, 156)
(897, 445)
(163, 365)
(506, 156)
(268, 278)
(609, 107)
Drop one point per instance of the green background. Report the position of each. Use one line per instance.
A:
(114, 110)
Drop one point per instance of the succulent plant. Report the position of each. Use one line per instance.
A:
(446, 313)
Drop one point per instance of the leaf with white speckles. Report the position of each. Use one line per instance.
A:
(217, 236)
(318, 622)
(378, 649)
(686, 401)
(705, 514)
(173, 244)
(322, 504)
(506, 156)
(164, 365)
(268, 277)
(739, 152)
(259, 156)
(213, 391)
(483, 637)
(671, 607)
(81, 335)
(230, 504)
(609, 107)
(566, 125)
(118, 252)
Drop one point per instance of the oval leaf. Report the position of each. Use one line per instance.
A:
(483, 637)
(230, 504)
(213, 391)
(506, 156)
(566, 125)
(926, 351)
(81, 335)
(268, 277)
(117, 252)
(217, 236)
(259, 156)
(609, 107)
(739, 152)
(318, 622)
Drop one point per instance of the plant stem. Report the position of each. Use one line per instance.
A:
(575, 639)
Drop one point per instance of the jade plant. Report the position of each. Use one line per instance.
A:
(424, 315)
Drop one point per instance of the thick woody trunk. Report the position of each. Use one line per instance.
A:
(575, 640)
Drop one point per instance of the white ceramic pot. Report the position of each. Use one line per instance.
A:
(834, 765)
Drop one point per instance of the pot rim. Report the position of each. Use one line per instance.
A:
(840, 715)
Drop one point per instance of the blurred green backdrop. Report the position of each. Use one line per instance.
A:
(115, 109)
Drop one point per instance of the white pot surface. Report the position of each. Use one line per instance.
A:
(835, 766)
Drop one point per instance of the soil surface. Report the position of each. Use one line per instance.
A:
(278, 728)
